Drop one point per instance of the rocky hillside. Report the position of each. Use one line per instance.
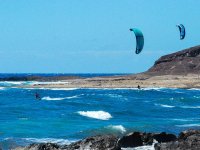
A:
(180, 63)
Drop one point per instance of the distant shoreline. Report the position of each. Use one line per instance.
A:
(127, 81)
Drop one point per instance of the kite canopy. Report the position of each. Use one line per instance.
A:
(182, 31)
(139, 40)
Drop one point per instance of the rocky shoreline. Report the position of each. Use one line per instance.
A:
(186, 140)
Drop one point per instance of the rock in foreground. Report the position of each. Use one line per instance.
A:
(188, 140)
(104, 142)
(136, 139)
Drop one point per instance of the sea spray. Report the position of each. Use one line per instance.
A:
(102, 115)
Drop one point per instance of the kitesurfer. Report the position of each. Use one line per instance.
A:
(37, 96)
(138, 87)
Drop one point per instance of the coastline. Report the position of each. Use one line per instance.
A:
(128, 81)
(188, 139)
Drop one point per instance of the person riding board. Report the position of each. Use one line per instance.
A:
(37, 96)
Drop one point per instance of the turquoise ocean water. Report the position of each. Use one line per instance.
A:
(69, 114)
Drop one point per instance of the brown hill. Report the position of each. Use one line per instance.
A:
(180, 63)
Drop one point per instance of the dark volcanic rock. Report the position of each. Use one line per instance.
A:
(183, 135)
(131, 140)
(164, 137)
(42, 146)
(188, 140)
(139, 139)
(179, 63)
(104, 142)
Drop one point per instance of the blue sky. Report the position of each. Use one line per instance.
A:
(92, 36)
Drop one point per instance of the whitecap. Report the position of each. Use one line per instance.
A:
(2, 88)
(48, 140)
(182, 120)
(54, 89)
(14, 82)
(189, 125)
(115, 95)
(53, 99)
(196, 97)
(63, 89)
(102, 115)
(119, 128)
(195, 89)
(194, 107)
(48, 98)
(47, 83)
(71, 97)
(152, 88)
(167, 106)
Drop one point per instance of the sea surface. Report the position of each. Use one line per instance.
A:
(69, 114)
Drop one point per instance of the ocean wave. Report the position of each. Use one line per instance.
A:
(47, 83)
(115, 95)
(196, 97)
(48, 98)
(48, 140)
(153, 88)
(2, 88)
(54, 89)
(194, 89)
(189, 125)
(119, 128)
(167, 106)
(194, 107)
(101, 115)
(13, 82)
(53, 99)
(182, 120)
(61, 89)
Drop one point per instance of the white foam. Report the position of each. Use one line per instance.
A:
(149, 147)
(63, 89)
(12, 83)
(2, 88)
(194, 107)
(115, 95)
(183, 120)
(196, 97)
(167, 106)
(189, 125)
(71, 97)
(102, 115)
(153, 88)
(119, 128)
(194, 89)
(48, 140)
(54, 89)
(48, 98)
(48, 83)
(53, 99)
